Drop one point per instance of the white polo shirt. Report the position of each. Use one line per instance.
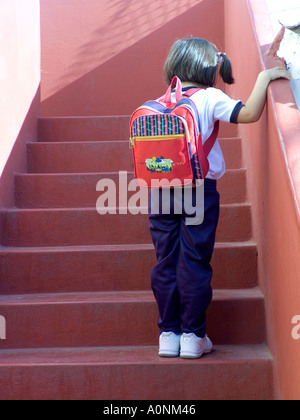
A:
(213, 105)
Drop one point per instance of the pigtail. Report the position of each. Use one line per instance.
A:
(226, 69)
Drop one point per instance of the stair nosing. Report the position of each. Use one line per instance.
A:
(90, 209)
(115, 297)
(72, 174)
(110, 247)
(39, 356)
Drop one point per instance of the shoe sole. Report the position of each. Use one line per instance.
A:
(193, 355)
(168, 354)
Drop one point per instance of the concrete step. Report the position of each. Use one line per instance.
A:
(73, 129)
(75, 286)
(61, 227)
(79, 190)
(229, 373)
(105, 156)
(120, 319)
(111, 268)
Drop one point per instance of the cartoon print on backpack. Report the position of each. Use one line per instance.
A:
(159, 165)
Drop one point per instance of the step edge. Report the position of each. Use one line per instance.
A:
(73, 174)
(83, 117)
(110, 248)
(237, 353)
(116, 297)
(122, 139)
(74, 143)
(93, 209)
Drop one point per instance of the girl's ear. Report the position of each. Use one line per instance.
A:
(226, 69)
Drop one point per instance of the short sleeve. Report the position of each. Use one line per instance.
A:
(223, 108)
(236, 112)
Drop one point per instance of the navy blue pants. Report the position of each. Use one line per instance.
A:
(181, 280)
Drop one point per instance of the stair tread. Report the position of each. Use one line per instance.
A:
(115, 296)
(92, 209)
(111, 267)
(105, 155)
(79, 128)
(230, 372)
(77, 319)
(46, 190)
(91, 174)
(134, 355)
(112, 248)
(87, 142)
(85, 226)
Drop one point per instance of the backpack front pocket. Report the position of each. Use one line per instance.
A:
(162, 160)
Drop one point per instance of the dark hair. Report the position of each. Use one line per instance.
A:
(196, 60)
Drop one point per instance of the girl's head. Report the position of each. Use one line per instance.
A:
(196, 60)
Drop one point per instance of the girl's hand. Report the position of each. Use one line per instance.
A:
(277, 73)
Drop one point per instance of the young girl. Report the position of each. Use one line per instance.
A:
(181, 280)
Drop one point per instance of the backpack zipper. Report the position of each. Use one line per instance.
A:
(155, 138)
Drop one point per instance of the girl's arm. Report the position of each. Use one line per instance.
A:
(254, 107)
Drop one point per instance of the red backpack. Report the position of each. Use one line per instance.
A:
(166, 141)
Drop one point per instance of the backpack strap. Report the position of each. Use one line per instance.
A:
(176, 82)
(191, 92)
(210, 142)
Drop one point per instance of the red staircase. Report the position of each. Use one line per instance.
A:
(81, 321)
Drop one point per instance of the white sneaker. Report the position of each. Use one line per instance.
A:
(193, 347)
(169, 344)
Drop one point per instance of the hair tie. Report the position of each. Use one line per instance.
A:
(220, 57)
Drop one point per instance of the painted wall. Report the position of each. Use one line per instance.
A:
(271, 151)
(93, 51)
(19, 87)
(116, 39)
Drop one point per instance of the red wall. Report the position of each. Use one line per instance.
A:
(106, 57)
(271, 151)
(113, 62)
(19, 86)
